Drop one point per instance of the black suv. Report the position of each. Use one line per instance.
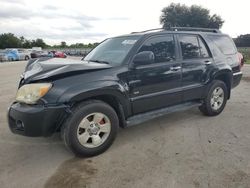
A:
(124, 81)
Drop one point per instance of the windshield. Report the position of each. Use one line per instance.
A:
(112, 51)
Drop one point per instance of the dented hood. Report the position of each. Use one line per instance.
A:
(47, 68)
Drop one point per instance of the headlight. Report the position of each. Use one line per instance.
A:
(31, 93)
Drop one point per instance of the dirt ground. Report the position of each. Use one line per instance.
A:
(180, 150)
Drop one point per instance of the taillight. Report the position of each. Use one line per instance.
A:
(241, 60)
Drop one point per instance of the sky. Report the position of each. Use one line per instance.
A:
(81, 21)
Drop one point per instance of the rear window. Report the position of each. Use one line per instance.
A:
(224, 43)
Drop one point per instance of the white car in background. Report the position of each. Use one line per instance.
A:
(23, 54)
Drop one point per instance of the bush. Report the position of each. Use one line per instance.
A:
(245, 52)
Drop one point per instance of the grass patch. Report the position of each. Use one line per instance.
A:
(248, 61)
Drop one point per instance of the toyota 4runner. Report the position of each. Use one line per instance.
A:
(124, 81)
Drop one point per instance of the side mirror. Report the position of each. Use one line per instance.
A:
(143, 58)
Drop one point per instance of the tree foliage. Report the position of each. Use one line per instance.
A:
(242, 41)
(178, 15)
(39, 43)
(9, 40)
(63, 44)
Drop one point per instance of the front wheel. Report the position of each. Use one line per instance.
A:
(216, 99)
(91, 129)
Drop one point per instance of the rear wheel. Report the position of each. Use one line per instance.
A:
(91, 129)
(27, 57)
(216, 99)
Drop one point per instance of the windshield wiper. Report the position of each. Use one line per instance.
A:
(99, 61)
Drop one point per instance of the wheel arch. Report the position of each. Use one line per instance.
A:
(117, 100)
(115, 103)
(226, 77)
(111, 100)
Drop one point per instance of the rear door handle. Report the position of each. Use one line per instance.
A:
(208, 62)
(175, 68)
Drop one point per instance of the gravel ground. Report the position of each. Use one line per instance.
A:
(184, 149)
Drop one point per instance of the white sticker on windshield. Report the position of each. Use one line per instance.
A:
(129, 42)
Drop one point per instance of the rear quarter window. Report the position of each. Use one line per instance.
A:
(224, 43)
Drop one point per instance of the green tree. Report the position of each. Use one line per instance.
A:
(178, 15)
(63, 44)
(39, 43)
(242, 41)
(9, 40)
(22, 40)
(27, 44)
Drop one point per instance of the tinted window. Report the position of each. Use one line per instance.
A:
(189, 46)
(162, 47)
(203, 49)
(224, 43)
(193, 47)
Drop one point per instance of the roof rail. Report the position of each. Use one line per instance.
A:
(212, 30)
(148, 30)
(198, 29)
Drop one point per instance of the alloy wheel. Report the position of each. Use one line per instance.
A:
(93, 130)
(217, 98)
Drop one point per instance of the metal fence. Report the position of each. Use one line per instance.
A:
(73, 51)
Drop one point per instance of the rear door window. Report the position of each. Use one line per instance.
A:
(192, 47)
(189, 46)
(224, 43)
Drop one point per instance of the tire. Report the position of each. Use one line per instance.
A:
(26, 58)
(84, 140)
(216, 99)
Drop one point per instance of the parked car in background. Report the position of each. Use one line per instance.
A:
(46, 54)
(1, 55)
(58, 54)
(9, 55)
(37, 54)
(24, 54)
(15, 55)
(241, 58)
(77, 52)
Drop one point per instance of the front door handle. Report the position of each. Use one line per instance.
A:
(175, 68)
(133, 82)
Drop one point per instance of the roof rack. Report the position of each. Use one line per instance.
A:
(148, 30)
(212, 30)
(198, 29)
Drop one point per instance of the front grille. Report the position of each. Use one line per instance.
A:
(236, 69)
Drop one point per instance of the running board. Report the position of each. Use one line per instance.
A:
(140, 118)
